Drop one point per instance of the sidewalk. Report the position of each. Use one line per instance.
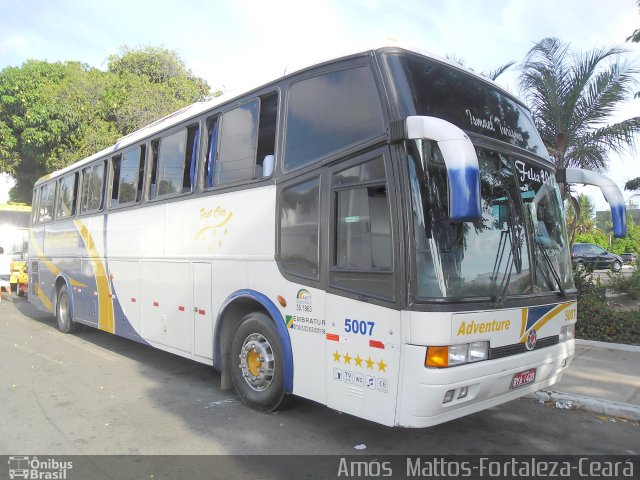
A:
(603, 378)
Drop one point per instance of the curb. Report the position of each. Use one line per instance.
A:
(596, 405)
(611, 346)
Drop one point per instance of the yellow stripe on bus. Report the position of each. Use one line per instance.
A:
(545, 318)
(105, 304)
(43, 298)
(48, 263)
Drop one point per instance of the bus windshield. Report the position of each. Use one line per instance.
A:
(522, 225)
(427, 87)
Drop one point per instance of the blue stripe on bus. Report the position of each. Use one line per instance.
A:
(283, 335)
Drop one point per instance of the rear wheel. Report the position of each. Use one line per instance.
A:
(257, 363)
(616, 266)
(63, 311)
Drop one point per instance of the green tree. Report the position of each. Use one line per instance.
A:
(586, 212)
(633, 184)
(53, 114)
(573, 96)
(635, 36)
(148, 84)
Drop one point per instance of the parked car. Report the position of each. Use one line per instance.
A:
(629, 258)
(595, 257)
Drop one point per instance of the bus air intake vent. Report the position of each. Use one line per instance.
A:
(515, 349)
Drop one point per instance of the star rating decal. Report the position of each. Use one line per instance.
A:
(358, 361)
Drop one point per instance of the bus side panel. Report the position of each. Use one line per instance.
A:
(38, 266)
(362, 358)
(202, 311)
(167, 310)
(125, 279)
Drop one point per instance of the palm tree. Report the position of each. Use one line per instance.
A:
(573, 96)
(635, 36)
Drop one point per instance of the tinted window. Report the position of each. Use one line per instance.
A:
(363, 228)
(66, 206)
(127, 177)
(362, 249)
(427, 87)
(299, 229)
(212, 130)
(45, 209)
(330, 112)
(237, 151)
(92, 188)
(171, 163)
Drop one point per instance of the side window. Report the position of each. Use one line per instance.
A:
(34, 203)
(92, 192)
(299, 229)
(67, 195)
(212, 129)
(174, 162)
(45, 208)
(128, 174)
(330, 112)
(237, 152)
(267, 135)
(247, 142)
(362, 240)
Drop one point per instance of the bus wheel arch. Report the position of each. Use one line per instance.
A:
(247, 314)
(63, 308)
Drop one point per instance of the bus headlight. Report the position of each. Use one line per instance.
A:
(478, 351)
(568, 332)
(454, 355)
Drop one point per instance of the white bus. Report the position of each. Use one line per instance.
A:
(382, 233)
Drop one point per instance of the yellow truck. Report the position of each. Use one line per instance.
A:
(14, 238)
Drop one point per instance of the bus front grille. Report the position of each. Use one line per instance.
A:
(517, 348)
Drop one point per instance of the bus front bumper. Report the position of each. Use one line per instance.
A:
(421, 400)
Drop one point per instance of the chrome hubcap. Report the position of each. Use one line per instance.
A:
(257, 362)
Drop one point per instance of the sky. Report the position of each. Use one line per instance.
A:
(239, 44)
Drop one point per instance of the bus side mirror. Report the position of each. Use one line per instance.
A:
(609, 189)
(463, 171)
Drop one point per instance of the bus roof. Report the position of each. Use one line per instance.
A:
(195, 109)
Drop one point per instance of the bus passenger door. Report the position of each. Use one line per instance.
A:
(364, 288)
(203, 317)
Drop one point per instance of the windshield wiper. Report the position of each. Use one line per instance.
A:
(552, 269)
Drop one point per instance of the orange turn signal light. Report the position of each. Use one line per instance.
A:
(437, 357)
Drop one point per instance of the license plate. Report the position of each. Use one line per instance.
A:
(523, 378)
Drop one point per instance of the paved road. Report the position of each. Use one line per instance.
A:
(603, 275)
(93, 393)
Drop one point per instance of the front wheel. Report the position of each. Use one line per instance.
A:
(616, 266)
(63, 311)
(256, 363)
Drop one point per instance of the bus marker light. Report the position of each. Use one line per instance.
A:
(437, 357)
(333, 337)
(376, 344)
(133, 300)
(156, 304)
(201, 312)
(282, 301)
(181, 308)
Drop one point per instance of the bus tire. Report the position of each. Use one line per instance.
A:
(257, 363)
(63, 311)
